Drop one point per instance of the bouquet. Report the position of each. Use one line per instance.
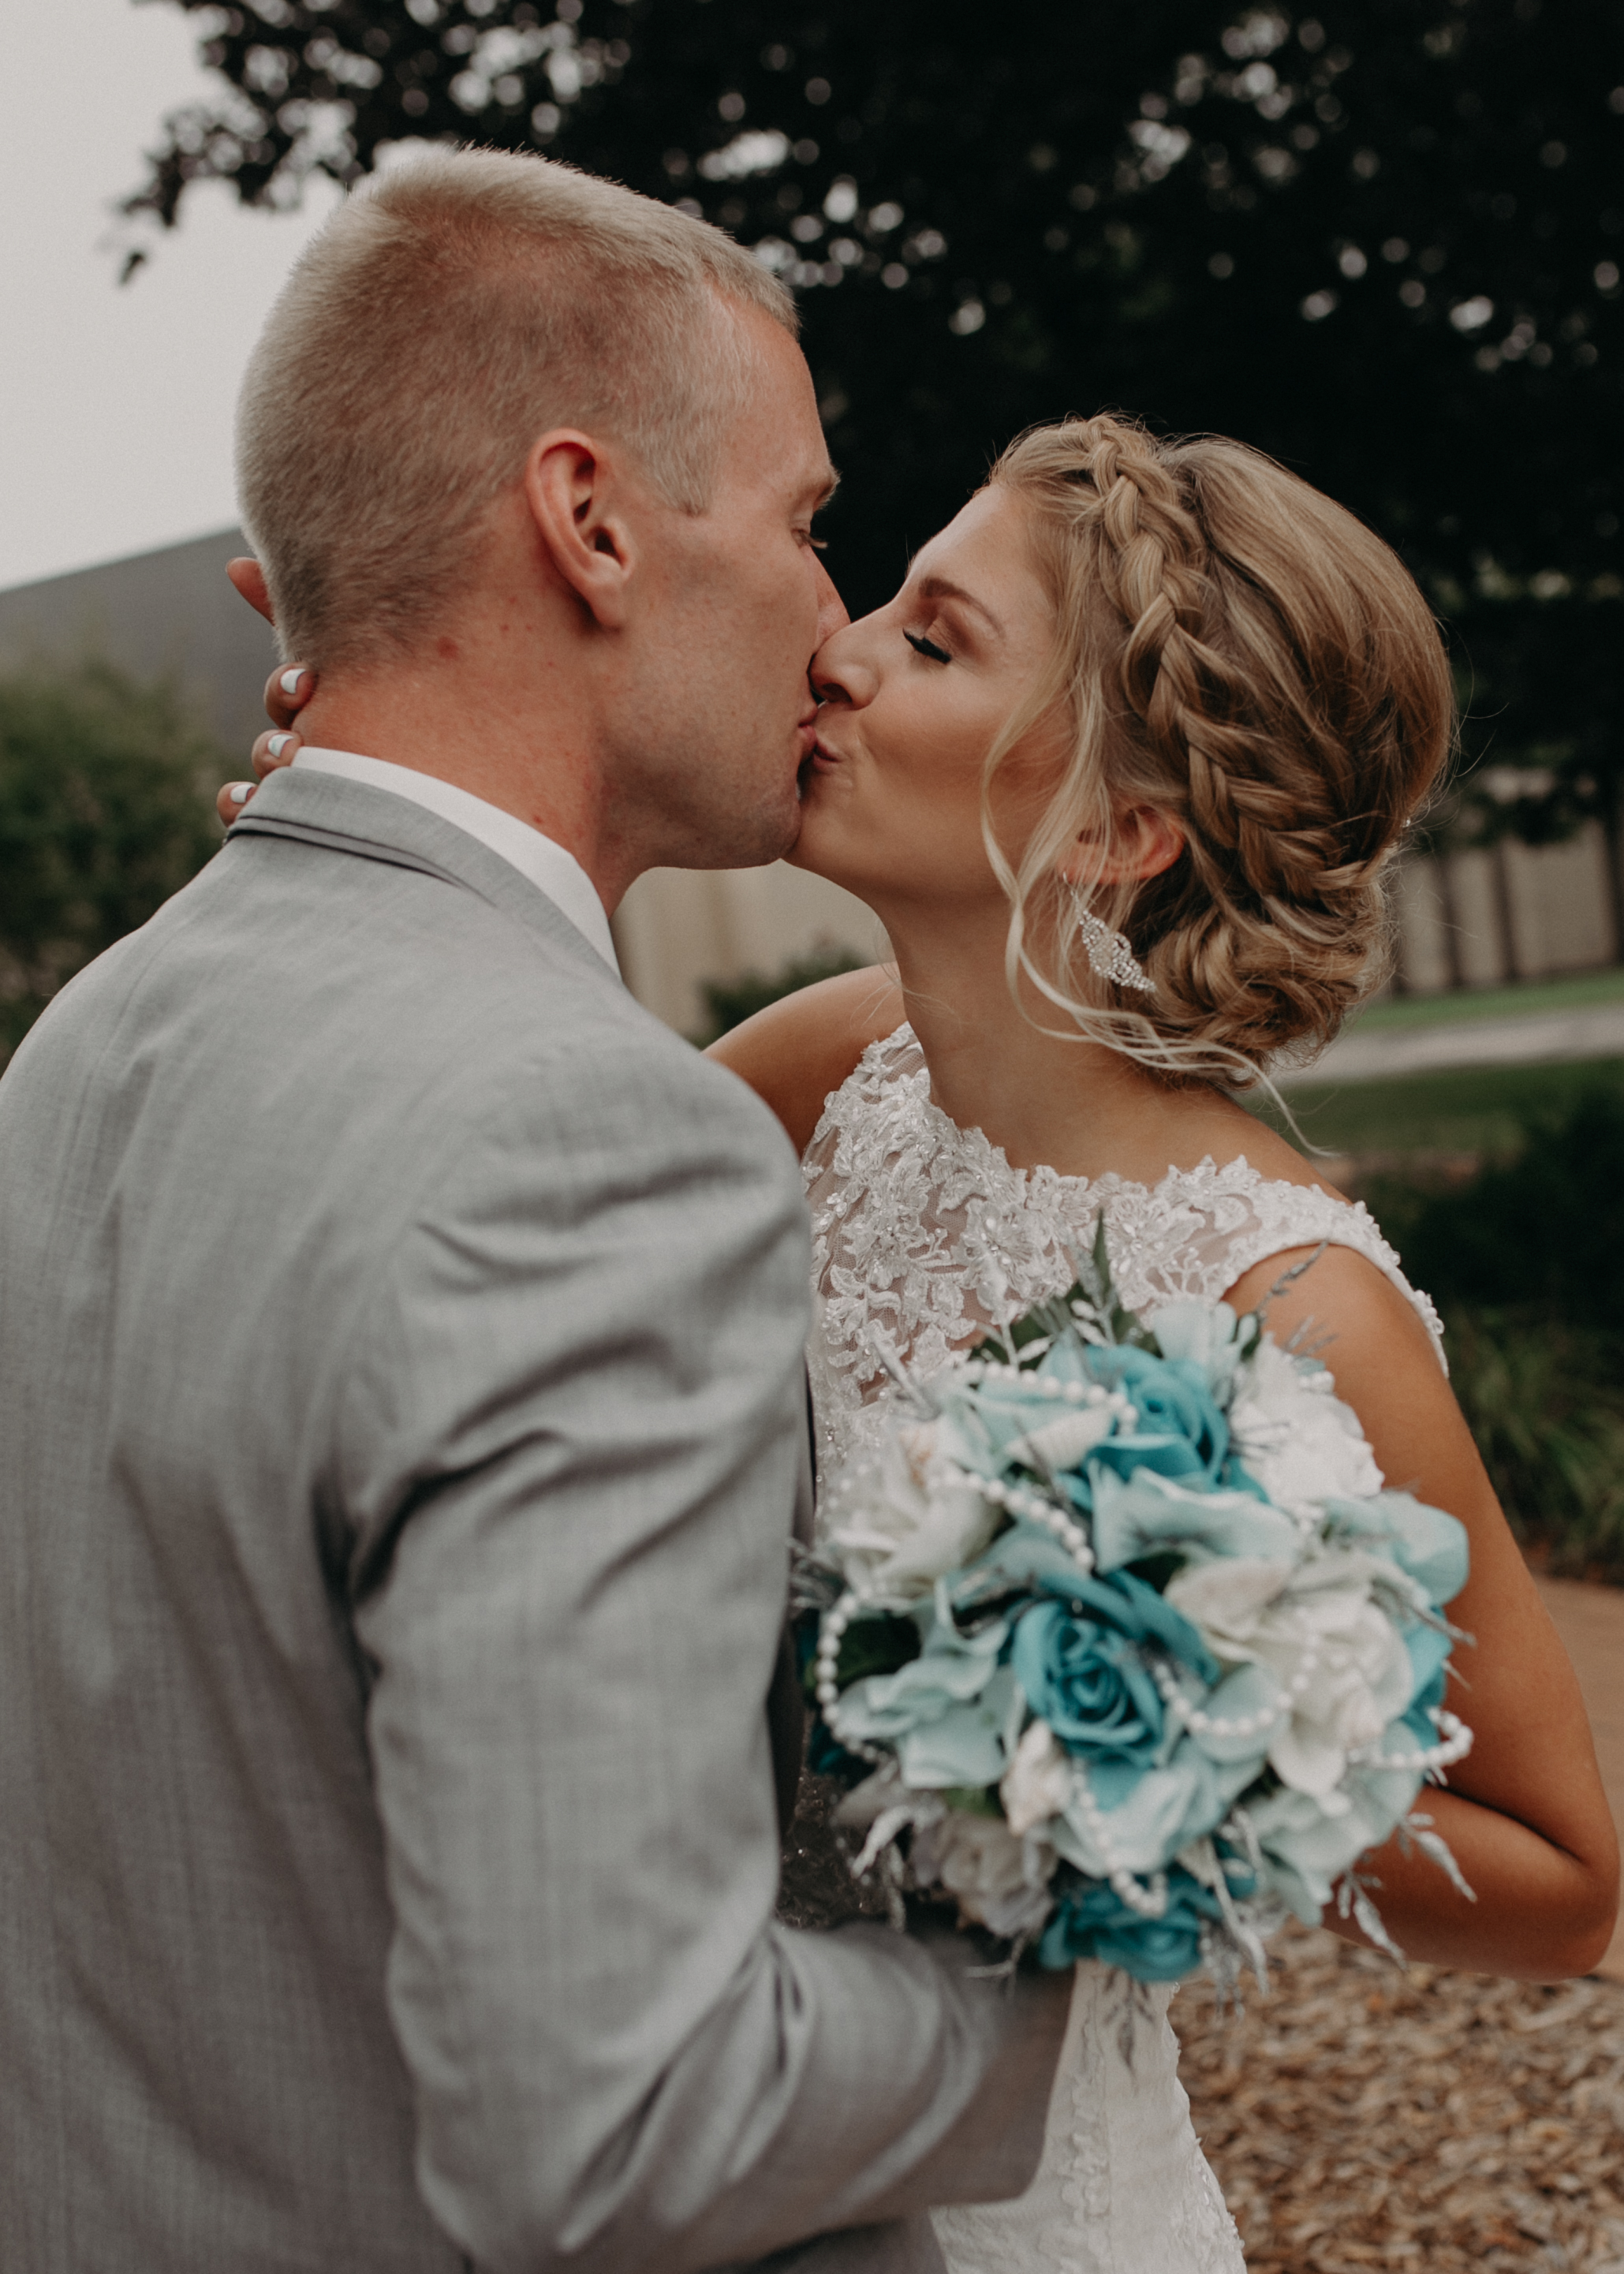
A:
(1120, 1644)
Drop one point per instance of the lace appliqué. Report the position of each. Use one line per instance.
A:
(1123, 2186)
(923, 1235)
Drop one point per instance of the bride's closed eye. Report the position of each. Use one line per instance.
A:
(923, 646)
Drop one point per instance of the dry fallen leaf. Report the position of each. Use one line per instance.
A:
(1362, 2117)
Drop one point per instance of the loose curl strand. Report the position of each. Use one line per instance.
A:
(1242, 655)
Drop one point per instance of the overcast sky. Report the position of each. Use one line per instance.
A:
(115, 402)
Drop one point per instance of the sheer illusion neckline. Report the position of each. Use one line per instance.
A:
(925, 1234)
(973, 1143)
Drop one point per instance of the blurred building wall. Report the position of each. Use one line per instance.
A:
(677, 928)
(170, 611)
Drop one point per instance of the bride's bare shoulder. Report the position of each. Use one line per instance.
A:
(797, 1050)
(1199, 1124)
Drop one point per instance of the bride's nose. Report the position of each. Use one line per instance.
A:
(839, 674)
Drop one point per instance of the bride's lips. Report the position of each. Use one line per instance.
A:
(819, 759)
(824, 760)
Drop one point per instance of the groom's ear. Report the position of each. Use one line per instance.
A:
(577, 498)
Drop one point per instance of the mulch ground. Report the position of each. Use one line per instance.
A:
(1362, 2117)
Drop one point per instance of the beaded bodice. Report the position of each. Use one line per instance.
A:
(923, 1234)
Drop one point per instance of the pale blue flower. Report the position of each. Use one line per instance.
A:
(1148, 1515)
(1149, 1817)
(1310, 1843)
(1425, 1542)
(946, 1713)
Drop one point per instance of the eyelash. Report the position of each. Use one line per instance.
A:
(926, 647)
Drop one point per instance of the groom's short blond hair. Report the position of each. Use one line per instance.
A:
(453, 310)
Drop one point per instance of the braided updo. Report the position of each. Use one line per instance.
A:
(1242, 655)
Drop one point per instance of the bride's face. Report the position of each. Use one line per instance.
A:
(912, 698)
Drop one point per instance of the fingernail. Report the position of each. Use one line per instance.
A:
(290, 681)
(277, 744)
(241, 792)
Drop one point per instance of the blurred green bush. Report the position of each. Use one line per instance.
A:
(106, 808)
(1526, 1262)
(730, 1002)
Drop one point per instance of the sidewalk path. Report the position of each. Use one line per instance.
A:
(1596, 1031)
(1590, 1622)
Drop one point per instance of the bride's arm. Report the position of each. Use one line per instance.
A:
(797, 1050)
(1525, 1813)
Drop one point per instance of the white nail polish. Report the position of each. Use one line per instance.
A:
(290, 681)
(277, 744)
(241, 792)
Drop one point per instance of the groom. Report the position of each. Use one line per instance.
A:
(400, 1367)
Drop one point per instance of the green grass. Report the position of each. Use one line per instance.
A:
(1525, 1259)
(1545, 1403)
(1480, 1110)
(1577, 992)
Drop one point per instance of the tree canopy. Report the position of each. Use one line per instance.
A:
(1381, 241)
(106, 808)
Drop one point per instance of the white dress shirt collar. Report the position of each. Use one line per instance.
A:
(547, 865)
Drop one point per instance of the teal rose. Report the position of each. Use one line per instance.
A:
(1181, 1432)
(1091, 1921)
(1081, 1666)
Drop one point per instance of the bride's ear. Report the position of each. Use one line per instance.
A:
(1144, 841)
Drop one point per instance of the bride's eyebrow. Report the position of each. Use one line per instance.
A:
(938, 588)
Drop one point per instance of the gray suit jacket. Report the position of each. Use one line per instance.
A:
(399, 1403)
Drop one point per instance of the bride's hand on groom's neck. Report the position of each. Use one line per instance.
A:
(286, 691)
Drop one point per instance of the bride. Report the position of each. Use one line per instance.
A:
(1120, 769)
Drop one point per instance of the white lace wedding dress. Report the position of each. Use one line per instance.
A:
(923, 1234)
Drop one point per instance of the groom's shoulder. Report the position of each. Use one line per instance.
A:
(338, 991)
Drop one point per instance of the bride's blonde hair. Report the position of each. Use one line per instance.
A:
(1242, 654)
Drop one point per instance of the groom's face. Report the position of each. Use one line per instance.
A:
(716, 721)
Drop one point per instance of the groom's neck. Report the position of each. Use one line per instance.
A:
(532, 759)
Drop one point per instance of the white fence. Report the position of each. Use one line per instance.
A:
(1511, 912)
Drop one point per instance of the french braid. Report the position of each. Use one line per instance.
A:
(1240, 653)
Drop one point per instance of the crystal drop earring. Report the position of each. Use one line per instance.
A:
(1109, 951)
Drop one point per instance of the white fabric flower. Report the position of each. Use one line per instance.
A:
(996, 1878)
(1294, 1435)
(1062, 1443)
(909, 1517)
(1037, 1783)
(1317, 1615)
(1202, 1334)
